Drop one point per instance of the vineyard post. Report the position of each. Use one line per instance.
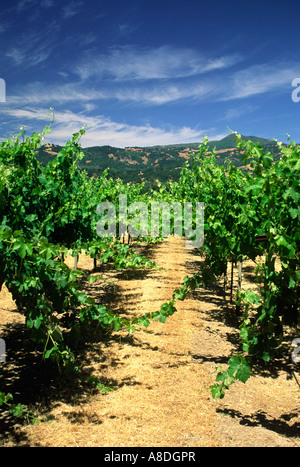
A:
(240, 275)
(225, 281)
(238, 307)
(231, 285)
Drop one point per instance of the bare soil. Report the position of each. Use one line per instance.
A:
(159, 376)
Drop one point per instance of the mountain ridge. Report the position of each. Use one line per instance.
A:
(223, 143)
(152, 163)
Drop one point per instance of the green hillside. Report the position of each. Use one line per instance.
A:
(153, 163)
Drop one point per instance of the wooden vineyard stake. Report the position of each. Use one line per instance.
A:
(238, 307)
(231, 285)
(240, 264)
(225, 282)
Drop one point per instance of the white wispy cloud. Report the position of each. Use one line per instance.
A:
(165, 62)
(124, 29)
(4, 26)
(47, 3)
(101, 130)
(230, 86)
(17, 55)
(33, 47)
(22, 57)
(164, 93)
(140, 95)
(236, 112)
(23, 4)
(40, 93)
(29, 104)
(72, 9)
(259, 79)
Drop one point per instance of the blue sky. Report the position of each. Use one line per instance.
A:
(141, 73)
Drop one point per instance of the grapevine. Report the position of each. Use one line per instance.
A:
(240, 208)
(47, 213)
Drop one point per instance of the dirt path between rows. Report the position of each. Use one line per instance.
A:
(161, 374)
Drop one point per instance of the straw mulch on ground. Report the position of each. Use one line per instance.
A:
(159, 376)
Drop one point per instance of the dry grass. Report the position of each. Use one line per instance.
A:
(160, 374)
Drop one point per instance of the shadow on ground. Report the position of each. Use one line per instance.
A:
(38, 384)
